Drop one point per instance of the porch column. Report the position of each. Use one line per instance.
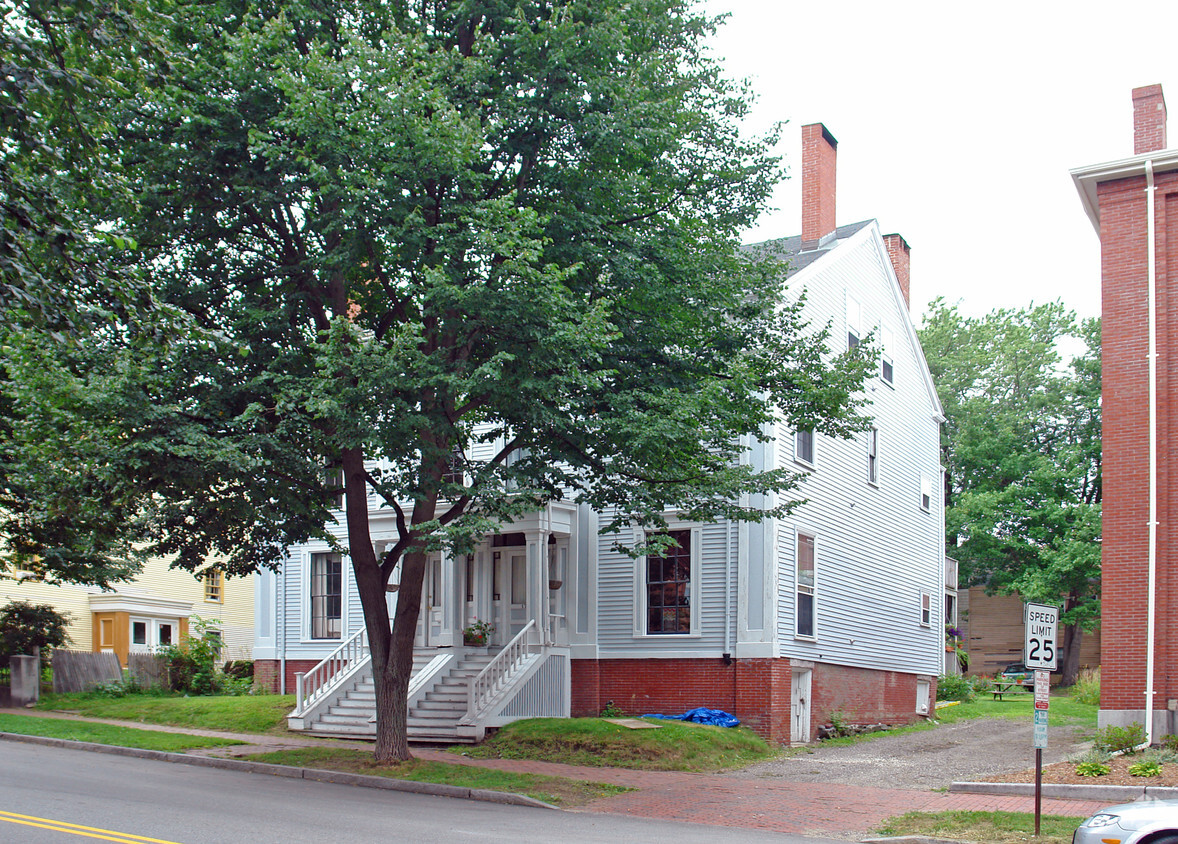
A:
(538, 581)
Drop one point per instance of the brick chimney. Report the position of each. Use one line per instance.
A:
(1149, 119)
(901, 255)
(818, 160)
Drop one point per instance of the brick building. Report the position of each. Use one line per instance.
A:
(1131, 203)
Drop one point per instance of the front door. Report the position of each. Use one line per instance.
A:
(431, 632)
(509, 594)
(800, 707)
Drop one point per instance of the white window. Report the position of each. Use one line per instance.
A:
(887, 372)
(333, 479)
(668, 587)
(326, 596)
(873, 456)
(214, 586)
(926, 492)
(854, 322)
(926, 609)
(805, 582)
(804, 447)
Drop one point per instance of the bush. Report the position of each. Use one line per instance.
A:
(1087, 687)
(1146, 769)
(954, 687)
(192, 664)
(29, 629)
(1119, 739)
(1092, 769)
(1169, 742)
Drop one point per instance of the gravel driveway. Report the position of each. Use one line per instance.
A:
(962, 752)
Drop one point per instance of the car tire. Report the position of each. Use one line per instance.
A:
(1165, 839)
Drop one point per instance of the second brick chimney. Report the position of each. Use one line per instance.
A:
(901, 256)
(818, 167)
(1149, 119)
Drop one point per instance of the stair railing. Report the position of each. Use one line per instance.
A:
(488, 682)
(312, 685)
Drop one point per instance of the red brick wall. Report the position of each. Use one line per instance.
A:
(1124, 268)
(266, 673)
(755, 690)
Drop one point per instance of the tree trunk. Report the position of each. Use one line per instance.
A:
(1073, 637)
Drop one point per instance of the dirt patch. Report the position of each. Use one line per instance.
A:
(1064, 773)
(967, 751)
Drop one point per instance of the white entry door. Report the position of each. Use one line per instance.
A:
(147, 634)
(799, 732)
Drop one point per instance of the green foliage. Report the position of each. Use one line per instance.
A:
(1092, 755)
(1021, 445)
(991, 827)
(1149, 768)
(1092, 769)
(840, 724)
(31, 629)
(31, 725)
(1169, 742)
(1086, 689)
(401, 236)
(1119, 739)
(478, 633)
(192, 663)
(611, 711)
(982, 684)
(248, 714)
(954, 687)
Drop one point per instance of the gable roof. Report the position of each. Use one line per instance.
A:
(801, 253)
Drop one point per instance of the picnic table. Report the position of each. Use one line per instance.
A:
(1006, 687)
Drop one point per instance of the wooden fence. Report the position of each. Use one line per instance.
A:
(148, 670)
(81, 671)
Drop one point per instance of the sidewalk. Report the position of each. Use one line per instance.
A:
(817, 809)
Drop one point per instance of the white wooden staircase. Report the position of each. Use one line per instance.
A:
(454, 693)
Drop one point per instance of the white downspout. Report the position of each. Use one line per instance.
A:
(281, 610)
(1153, 453)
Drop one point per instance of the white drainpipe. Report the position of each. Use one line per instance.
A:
(1153, 453)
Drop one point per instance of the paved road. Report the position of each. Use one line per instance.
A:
(115, 798)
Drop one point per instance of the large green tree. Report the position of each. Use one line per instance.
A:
(400, 229)
(1021, 446)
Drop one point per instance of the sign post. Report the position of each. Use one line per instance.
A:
(1040, 652)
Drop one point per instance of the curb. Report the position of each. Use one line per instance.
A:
(910, 839)
(313, 774)
(1107, 793)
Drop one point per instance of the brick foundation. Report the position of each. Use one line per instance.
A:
(755, 690)
(266, 673)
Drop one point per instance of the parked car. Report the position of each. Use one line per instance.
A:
(1152, 821)
(1017, 672)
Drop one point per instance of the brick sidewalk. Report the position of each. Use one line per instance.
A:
(766, 803)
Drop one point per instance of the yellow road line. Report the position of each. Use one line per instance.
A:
(78, 829)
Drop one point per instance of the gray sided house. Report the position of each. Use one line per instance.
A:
(838, 608)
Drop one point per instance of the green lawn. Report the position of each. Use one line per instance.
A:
(1063, 710)
(264, 714)
(674, 746)
(31, 725)
(559, 791)
(991, 827)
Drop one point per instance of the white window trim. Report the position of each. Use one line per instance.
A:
(798, 533)
(925, 596)
(305, 597)
(693, 599)
(854, 321)
(873, 442)
(926, 490)
(885, 356)
(809, 464)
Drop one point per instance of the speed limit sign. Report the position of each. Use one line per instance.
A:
(1041, 649)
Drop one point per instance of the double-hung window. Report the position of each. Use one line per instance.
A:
(854, 322)
(668, 587)
(804, 446)
(214, 587)
(926, 492)
(873, 456)
(805, 586)
(326, 596)
(887, 372)
(926, 609)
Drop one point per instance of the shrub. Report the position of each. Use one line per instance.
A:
(1092, 755)
(1169, 742)
(1146, 769)
(954, 687)
(192, 664)
(30, 629)
(1119, 739)
(1092, 769)
(840, 725)
(1087, 687)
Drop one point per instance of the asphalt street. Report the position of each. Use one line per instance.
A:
(50, 795)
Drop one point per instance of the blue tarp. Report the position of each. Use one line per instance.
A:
(716, 717)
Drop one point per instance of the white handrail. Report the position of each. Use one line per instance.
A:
(490, 680)
(316, 682)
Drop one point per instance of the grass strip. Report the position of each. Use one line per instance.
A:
(260, 714)
(559, 791)
(31, 725)
(674, 746)
(991, 827)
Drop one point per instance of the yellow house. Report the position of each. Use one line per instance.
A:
(154, 609)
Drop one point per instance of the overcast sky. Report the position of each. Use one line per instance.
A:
(957, 124)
